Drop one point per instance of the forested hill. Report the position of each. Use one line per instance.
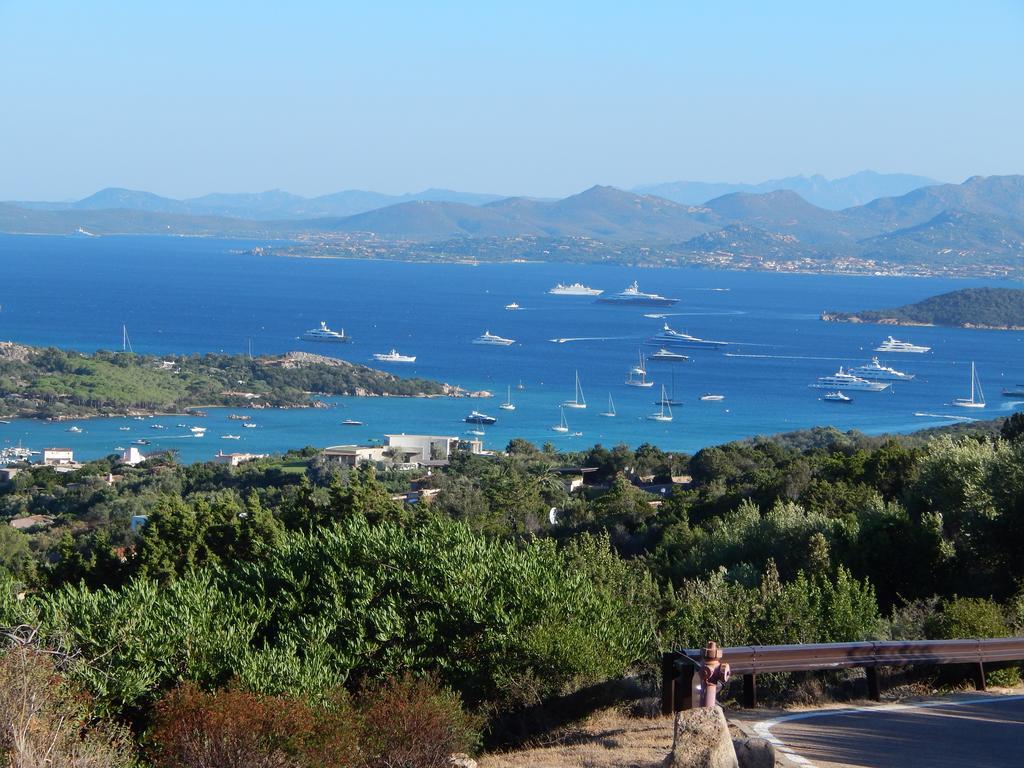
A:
(1001, 308)
(52, 383)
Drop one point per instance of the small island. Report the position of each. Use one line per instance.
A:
(49, 383)
(992, 308)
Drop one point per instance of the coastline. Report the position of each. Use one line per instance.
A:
(841, 317)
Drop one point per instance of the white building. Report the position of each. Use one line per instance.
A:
(58, 457)
(132, 456)
(234, 459)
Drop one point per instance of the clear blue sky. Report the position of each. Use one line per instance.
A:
(546, 98)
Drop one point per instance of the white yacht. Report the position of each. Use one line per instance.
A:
(711, 397)
(845, 380)
(74, 429)
(579, 401)
(323, 333)
(574, 289)
(633, 295)
(638, 376)
(837, 397)
(493, 340)
(875, 371)
(508, 405)
(562, 425)
(394, 356)
(665, 403)
(977, 398)
(669, 336)
(512, 307)
(668, 356)
(894, 345)
(230, 437)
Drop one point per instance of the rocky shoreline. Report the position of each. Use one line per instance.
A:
(844, 317)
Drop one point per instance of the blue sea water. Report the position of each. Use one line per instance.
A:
(181, 295)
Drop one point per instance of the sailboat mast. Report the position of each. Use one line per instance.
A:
(972, 381)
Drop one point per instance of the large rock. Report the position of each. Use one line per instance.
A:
(754, 753)
(702, 741)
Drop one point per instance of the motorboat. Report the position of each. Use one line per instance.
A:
(394, 357)
(875, 371)
(670, 337)
(351, 423)
(837, 397)
(894, 345)
(843, 380)
(977, 398)
(632, 295)
(668, 356)
(493, 340)
(1015, 391)
(323, 333)
(512, 307)
(74, 429)
(230, 437)
(475, 417)
(574, 289)
(712, 397)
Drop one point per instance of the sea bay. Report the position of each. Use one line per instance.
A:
(192, 295)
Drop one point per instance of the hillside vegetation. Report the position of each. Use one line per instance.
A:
(49, 383)
(313, 605)
(1001, 308)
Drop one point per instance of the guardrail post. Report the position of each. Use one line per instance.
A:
(874, 689)
(668, 683)
(750, 690)
(979, 676)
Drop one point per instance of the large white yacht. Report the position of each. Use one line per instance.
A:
(633, 295)
(894, 345)
(493, 340)
(323, 333)
(875, 371)
(394, 356)
(845, 380)
(669, 336)
(574, 289)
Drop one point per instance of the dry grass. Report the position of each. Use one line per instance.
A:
(607, 739)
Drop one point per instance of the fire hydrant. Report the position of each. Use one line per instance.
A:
(712, 674)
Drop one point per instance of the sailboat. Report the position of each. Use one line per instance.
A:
(638, 375)
(508, 405)
(579, 401)
(126, 343)
(661, 415)
(669, 400)
(561, 426)
(977, 398)
(611, 407)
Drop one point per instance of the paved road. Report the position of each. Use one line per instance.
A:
(977, 730)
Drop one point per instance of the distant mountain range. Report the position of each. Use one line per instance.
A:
(834, 194)
(979, 221)
(272, 205)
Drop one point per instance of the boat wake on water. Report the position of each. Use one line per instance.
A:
(590, 338)
(949, 416)
(778, 357)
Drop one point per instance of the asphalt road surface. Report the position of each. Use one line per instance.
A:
(979, 730)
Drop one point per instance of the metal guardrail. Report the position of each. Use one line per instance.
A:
(680, 679)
